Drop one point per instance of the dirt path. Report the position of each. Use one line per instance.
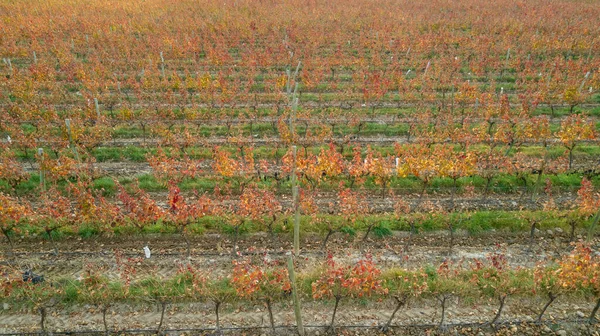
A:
(315, 313)
(214, 251)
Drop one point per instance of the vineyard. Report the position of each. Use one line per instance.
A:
(305, 167)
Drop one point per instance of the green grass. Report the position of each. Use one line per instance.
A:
(117, 154)
(501, 183)
(150, 183)
(474, 223)
(139, 154)
(106, 185)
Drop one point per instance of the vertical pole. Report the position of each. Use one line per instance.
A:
(34, 58)
(68, 124)
(8, 62)
(426, 68)
(583, 81)
(42, 182)
(452, 106)
(295, 205)
(97, 108)
(294, 103)
(297, 308)
(162, 64)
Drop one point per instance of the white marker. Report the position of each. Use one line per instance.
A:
(147, 252)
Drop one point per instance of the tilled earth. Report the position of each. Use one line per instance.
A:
(214, 251)
(421, 317)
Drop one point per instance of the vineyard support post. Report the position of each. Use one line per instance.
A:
(297, 307)
(97, 108)
(295, 204)
(42, 182)
(583, 81)
(68, 125)
(162, 65)
(9, 63)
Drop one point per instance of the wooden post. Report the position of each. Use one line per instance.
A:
(295, 204)
(297, 307)
(42, 182)
(68, 125)
(8, 62)
(97, 108)
(583, 81)
(162, 65)
(295, 201)
(452, 106)
(426, 68)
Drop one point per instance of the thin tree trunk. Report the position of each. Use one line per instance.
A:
(541, 171)
(329, 233)
(509, 149)
(163, 306)
(42, 311)
(487, 188)
(399, 303)
(453, 194)
(368, 231)
(502, 300)
(551, 298)
(571, 158)
(443, 303)
(269, 308)
(10, 243)
(104, 312)
(271, 233)
(337, 301)
(235, 240)
(217, 305)
(593, 315)
(532, 235)
(537, 184)
(144, 134)
(573, 224)
(421, 196)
